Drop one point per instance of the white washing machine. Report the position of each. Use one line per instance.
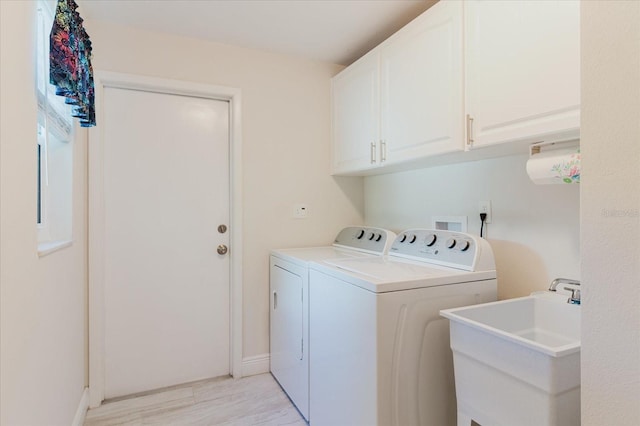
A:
(289, 313)
(379, 349)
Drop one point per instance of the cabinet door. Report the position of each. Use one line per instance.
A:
(522, 70)
(355, 116)
(422, 86)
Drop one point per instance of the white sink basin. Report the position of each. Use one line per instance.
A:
(544, 322)
(517, 361)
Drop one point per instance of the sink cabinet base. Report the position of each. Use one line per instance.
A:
(498, 384)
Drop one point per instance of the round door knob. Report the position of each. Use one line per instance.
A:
(222, 249)
(222, 229)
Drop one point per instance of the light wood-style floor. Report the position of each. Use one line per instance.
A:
(255, 400)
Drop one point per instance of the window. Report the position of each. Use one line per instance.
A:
(54, 148)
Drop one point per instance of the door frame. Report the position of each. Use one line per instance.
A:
(96, 217)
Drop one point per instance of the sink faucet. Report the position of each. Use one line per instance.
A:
(575, 293)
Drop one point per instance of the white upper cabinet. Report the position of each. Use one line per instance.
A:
(421, 80)
(522, 70)
(403, 100)
(355, 102)
(476, 72)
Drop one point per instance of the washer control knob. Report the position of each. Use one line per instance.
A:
(464, 245)
(372, 236)
(451, 243)
(379, 237)
(413, 239)
(360, 234)
(430, 240)
(404, 238)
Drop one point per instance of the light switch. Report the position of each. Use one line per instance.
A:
(300, 211)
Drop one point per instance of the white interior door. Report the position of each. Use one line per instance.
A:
(166, 190)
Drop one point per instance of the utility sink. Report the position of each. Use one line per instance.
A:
(543, 322)
(517, 361)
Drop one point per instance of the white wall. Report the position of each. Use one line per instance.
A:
(286, 132)
(610, 222)
(535, 228)
(43, 300)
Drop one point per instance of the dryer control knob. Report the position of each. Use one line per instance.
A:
(413, 239)
(464, 245)
(404, 238)
(430, 240)
(379, 237)
(372, 236)
(451, 243)
(360, 234)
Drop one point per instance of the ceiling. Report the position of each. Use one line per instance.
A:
(336, 31)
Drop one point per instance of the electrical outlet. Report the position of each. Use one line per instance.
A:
(485, 207)
(300, 211)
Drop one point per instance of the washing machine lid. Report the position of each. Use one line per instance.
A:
(302, 256)
(352, 241)
(385, 273)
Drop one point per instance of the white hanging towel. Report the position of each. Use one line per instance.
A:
(554, 162)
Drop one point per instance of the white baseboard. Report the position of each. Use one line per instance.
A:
(253, 365)
(83, 406)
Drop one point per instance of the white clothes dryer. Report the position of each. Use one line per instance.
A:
(379, 349)
(289, 313)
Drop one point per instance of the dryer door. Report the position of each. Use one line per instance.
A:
(289, 360)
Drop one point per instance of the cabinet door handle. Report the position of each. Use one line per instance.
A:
(275, 300)
(383, 151)
(373, 152)
(469, 130)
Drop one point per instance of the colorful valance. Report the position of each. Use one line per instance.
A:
(70, 62)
